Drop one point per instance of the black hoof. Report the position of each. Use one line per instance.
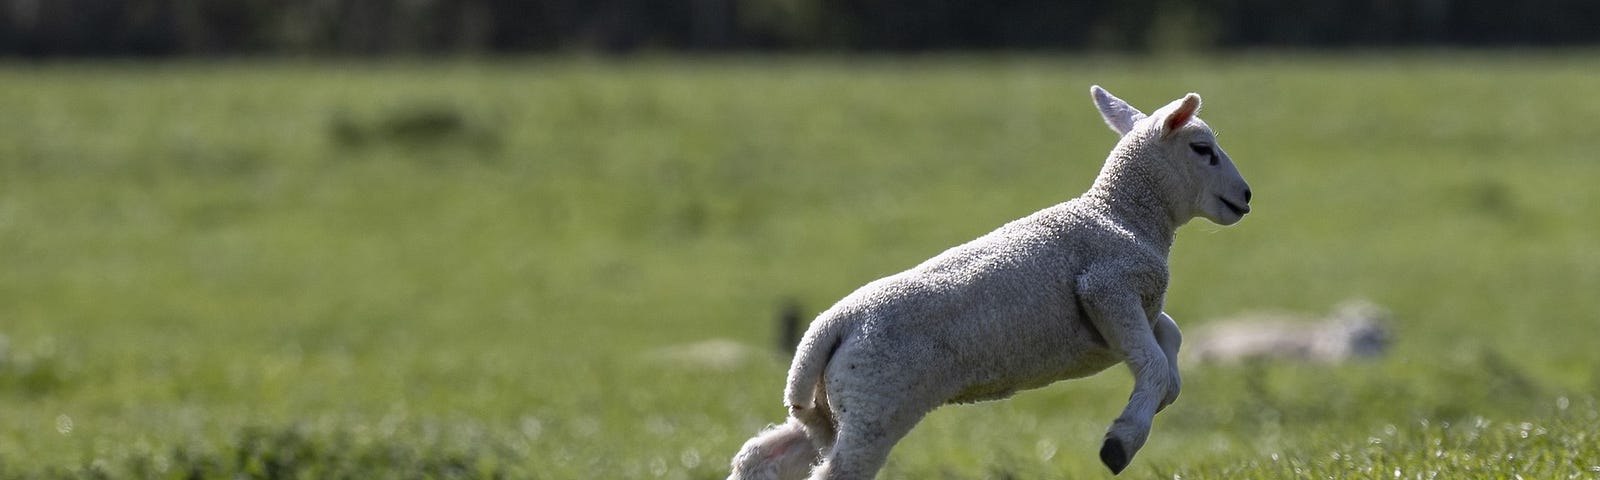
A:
(1112, 454)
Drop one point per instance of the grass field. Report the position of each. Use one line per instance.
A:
(461, 270)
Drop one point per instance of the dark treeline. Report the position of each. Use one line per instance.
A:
(360, 27)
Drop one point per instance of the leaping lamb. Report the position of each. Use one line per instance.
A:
(1063, 293)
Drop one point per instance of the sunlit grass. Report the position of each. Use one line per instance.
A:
(460, 270)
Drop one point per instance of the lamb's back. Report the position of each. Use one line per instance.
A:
(1000, 312)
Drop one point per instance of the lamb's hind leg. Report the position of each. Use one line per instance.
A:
(818, 420)
(873, 413)
(865, 437)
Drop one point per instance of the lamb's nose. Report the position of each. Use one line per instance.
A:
(1246, 195)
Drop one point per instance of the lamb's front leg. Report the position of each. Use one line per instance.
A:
(1122, 321)
(1168, 336)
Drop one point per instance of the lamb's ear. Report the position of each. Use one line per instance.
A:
(1179, 113)
(1118, 114)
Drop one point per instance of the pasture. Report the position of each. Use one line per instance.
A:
(488, 269)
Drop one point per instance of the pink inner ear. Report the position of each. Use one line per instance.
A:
(1182, 114)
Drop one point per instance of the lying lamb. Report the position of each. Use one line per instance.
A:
(1355, 329)
(1063, 293)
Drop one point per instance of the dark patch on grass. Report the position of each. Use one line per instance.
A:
(1491, 198)
(1507, 380)
(293, 452)
(424, 125)
(788, 326)
(32, 374)
(693, 219)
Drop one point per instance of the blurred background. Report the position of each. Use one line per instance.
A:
(36, 28)
(569, 239)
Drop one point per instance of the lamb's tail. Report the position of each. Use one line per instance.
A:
(781, 452)
(810, 360)
(806, 394)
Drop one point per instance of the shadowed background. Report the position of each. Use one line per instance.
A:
(365, 27)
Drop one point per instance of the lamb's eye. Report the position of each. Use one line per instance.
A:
(1204, 150)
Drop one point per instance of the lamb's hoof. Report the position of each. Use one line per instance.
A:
(1112, 454)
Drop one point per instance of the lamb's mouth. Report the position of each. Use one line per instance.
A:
(1236, 209)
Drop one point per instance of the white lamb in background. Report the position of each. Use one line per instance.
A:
(1355, 329)
(1063, 293)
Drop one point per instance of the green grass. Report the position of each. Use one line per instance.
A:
(305, 270)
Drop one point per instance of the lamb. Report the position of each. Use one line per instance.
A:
(1063, 293)
(1355, 329)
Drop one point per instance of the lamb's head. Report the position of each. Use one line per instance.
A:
(1182, 151)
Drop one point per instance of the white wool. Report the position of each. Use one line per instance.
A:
(1063, 293)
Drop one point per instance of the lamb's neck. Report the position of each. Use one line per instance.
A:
(1137, 205)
